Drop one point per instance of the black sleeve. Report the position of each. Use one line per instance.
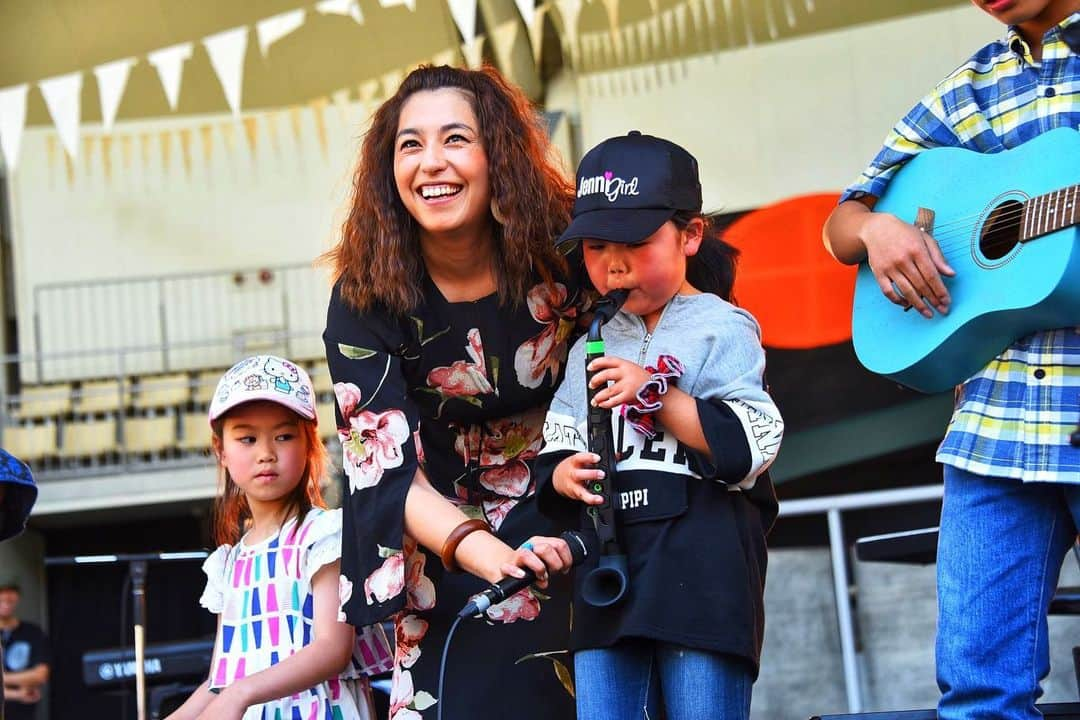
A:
(730, 454)
(563, 511)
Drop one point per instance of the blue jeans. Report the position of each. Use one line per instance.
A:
(627, 681)
(1000, 550)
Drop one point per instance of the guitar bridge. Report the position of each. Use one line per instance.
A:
(924, 220)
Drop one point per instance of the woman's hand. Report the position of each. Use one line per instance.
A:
(574, 474)
(542, 555)
(625, 379)
(907, 263)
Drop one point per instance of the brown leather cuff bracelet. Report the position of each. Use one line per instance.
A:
(450, 546)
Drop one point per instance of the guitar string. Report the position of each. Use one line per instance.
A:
(948, 233)
(1010, 220)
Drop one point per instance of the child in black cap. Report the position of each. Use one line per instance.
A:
(694, 432)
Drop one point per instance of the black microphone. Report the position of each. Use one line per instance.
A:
(511, 585)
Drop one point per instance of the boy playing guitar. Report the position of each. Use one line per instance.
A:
(1012, 479)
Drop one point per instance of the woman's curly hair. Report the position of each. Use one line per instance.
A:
(378, 258)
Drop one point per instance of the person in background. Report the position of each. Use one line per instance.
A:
(1012, 480)
(17, 495)
(26, 657)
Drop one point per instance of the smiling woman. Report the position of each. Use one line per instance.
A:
(446, 335)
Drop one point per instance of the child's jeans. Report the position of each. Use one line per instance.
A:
(630, 680)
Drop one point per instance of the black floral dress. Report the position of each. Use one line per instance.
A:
(461, 391)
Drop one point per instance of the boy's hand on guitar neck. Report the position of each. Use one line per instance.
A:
(907, 263)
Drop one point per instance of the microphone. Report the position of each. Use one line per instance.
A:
(511, 585)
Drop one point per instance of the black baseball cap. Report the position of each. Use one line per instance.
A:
(628, 186)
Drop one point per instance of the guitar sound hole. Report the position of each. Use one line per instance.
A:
(1001, 232)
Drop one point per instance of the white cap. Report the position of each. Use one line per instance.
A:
(265, 377)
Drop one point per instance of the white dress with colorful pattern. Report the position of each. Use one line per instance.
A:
(263, 594)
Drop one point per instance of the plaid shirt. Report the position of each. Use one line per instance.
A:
(1014, 417)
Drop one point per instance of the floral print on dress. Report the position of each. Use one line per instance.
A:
(463, 379)
(370, 442)
(524, 605)
(544, 354)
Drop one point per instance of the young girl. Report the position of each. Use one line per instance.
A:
(280, 650)
(694, 430)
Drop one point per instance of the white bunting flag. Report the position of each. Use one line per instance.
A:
(504, 37)
(570, 10)
(226, 50)
(272, 29)
(349, 8)
(474, 52)
(391, 81)
(536, 32)
(368, 91)
(170, 65)
(527, 8)
(62, 95)
(464, 14)
(12, 122)
(112, 79)
(411, 4)
(681, 27)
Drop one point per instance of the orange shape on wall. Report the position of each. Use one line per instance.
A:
(800, 295)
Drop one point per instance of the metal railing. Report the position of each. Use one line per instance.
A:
(832, 507)
(184, 317)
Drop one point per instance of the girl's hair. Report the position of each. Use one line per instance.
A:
(378, 257)
(712, 268)
(232, 515)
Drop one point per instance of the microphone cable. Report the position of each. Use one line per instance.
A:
(442, 665)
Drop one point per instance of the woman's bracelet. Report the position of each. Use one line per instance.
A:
(450, 545)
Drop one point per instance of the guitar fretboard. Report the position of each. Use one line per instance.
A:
(1050, 212)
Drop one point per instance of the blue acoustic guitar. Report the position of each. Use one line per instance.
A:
(1007, 223)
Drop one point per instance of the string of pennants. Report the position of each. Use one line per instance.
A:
(690, 22)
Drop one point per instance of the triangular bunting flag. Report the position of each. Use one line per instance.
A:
(464, 14)
(206, 135)
(411, 4)
(170, 64)
(185, 149)
(527, 8)
(446, 57)
(272, 29)
(112, 79)
(251, 132)
(748, 26)
(106, 156)
(570, 10)
(474, 52)
(612, 8)
(729, 19)
(62, 96)
(681, 28)
(368, 90)
(390, 82)
(340, 98)
(789, 14)
(644, 39)
(349, 8)
(226, 50)
(770, 20)
(667, 20)
(318, 109)
(536, 32)
(503, 38)
(165, 143)
(12, 122)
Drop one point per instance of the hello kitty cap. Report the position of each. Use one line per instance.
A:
(265, 377)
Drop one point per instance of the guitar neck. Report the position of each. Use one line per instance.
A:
(1051, 212)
